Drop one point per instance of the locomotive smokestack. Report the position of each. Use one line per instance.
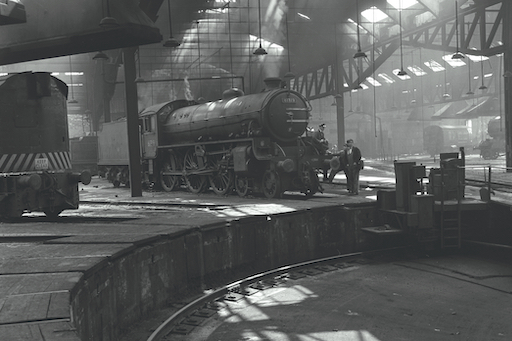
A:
(273, 83)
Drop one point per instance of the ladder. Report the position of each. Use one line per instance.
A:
(450, 229)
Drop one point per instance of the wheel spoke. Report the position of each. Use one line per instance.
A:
(271, 184)
(169, 182)
(242, 186)
(221, 180)
(195, 183)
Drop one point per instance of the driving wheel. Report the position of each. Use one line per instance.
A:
(168, 181)
(221, 180)
(271, 184)
(195, 183)
(242, 185)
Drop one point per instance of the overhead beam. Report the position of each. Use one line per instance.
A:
(438, 35)
(12, 12)
(46, 34)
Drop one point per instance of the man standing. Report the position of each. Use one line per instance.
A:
(352, 159)
(321, 144)
(341, 164)
(319, 137)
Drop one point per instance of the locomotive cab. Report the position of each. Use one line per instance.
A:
(149, 136)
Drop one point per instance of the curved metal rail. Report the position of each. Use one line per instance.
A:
(190, 308)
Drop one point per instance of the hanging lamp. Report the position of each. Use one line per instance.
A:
(171, 42)
(457, 55)
(100, 56)
(139, 78)
(446, 95)
(200, 99)
(470, 92)
(233, 91)
(72, 100)
(230, 45)
(260, 51)
(289, 75)
(108, 21)
(359, 53)
(335, 100)
(402, 71)
(482, 87)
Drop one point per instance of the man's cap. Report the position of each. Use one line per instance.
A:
(322, 125)
(350, 141)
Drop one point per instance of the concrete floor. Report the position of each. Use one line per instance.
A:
(454, 297)
(426, 299)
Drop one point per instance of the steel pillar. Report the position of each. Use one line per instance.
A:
(132, 118)
(507, 62)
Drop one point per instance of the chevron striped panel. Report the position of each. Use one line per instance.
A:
(34, 162)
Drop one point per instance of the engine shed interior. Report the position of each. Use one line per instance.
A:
(379, 72)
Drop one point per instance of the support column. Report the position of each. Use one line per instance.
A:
(339, 94)
(507, 91)
(132, 118)
(340, 119)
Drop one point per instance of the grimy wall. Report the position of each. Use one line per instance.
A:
(148, 276)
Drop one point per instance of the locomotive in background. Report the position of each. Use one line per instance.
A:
(491, 147)
(445, 139)
(35, 165)
(250, 143)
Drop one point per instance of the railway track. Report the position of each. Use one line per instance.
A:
(479, 176)
(183, 321)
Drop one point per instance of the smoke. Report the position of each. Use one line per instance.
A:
(188, 93)
(274, 29)
(172, 93)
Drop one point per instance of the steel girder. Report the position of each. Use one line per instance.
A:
(474, 35)
(478, 32)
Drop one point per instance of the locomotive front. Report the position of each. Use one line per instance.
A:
(35, 167)
(285, 115)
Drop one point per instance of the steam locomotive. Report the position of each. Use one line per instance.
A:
(491, 148)
(249, 143)
(35, 167)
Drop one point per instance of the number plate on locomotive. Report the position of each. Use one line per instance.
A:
(288, 100)
(41, 163)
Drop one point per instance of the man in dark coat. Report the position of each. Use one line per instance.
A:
(319, 138)
(350, 163)
(321, 144)
(352, 159)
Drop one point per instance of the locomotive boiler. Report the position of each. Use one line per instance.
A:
(249, 143)
(35, 166)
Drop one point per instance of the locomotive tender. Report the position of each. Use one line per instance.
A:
(252, 143)
(35, 166)
(445, 139)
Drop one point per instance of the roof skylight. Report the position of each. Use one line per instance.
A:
(373, 14)
(434, 66)
(416, 70)
(402, 4)
(386, 78)
(453, 62)
(373, 81)
(404, 77)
